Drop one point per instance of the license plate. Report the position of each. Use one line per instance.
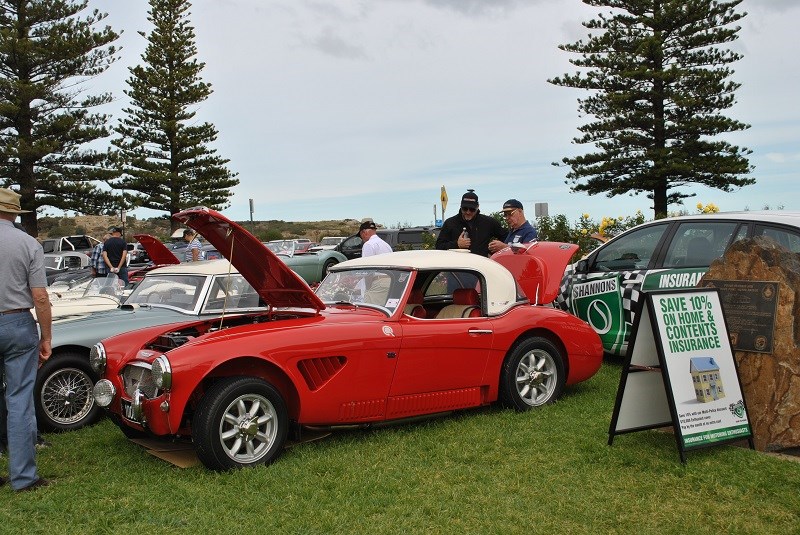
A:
(127, 411)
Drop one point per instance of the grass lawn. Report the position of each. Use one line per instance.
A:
(487, 471)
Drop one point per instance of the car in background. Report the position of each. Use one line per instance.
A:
(402, 239)
(312, 266)
(80, 242)
(192, 290)
(137, 254)
(73, 262)
(328, 242)
(99, 293)
(606, 287)
(157, 252)
(354, 353)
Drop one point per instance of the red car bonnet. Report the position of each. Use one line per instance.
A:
(538, 267)
(275, 283)
(156, 250)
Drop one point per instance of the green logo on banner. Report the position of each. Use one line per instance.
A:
(599, 303)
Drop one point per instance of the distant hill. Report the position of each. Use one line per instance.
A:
(97, 225)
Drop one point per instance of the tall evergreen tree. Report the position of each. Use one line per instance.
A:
(47, 52)
(166, 159)
(658, 80)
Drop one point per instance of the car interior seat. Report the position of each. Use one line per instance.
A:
(466, 304)
(414, 306)
(698, 252)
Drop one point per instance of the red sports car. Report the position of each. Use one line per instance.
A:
(383, 338)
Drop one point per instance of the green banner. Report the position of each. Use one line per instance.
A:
(673, 278)
(716, 435)
(599, 303)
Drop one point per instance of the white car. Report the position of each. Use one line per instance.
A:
(95, 294)
(328, 242)
(604, 288)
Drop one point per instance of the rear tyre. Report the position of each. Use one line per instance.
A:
(63, 393)
(532, 374)
(240, 422)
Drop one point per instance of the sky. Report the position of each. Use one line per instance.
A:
(354, 109)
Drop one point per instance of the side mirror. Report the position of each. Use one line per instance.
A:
(582, 266)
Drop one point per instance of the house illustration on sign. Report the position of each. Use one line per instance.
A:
(706, 379)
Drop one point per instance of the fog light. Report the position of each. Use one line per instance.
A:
(104, 392)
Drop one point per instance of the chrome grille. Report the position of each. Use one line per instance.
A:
(138, 375)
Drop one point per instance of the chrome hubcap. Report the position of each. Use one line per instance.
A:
(248, 428)
(67, 396)
(536, 377)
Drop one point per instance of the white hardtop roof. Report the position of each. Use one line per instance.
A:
(204, 267)
(501, 288)
(771, 216)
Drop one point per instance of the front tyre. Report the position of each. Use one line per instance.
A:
(63, 393)
(240, 422)
(532, 374)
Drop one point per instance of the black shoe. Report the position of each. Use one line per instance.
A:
(42, 443)
(3, 481)
(41, 482)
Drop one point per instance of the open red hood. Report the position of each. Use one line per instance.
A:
(538, 267)
(156, 250)
(277, 285)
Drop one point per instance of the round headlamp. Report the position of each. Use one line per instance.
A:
(162, 373)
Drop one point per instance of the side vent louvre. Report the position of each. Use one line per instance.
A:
(319, 371)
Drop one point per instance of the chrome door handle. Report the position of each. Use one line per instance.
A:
(480, 331)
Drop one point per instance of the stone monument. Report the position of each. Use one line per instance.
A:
(770, 381)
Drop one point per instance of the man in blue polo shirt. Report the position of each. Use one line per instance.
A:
(520, 230)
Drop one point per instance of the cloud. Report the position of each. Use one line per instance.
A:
(329, 42)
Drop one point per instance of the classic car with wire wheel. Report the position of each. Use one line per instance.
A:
(383, 339)
(194, 290)
(312, 266)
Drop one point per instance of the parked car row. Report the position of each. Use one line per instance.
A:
(240, 355)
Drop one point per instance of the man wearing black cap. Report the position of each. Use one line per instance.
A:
(520, 230)
(115, 254)
(469, 229)
(373, 244)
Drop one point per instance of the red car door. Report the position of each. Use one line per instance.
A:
(440, 365)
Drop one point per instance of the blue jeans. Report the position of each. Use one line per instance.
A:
(19, 347)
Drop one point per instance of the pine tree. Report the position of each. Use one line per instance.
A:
(658, 80)
(165, 157)
(47, 53)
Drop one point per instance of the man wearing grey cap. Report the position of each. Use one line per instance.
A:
(22, 347)
(520, 230)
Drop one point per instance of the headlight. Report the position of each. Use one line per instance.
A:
(97, 358)
(103, 392)
(162, 373)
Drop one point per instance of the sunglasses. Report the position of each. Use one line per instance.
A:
(467, 209)
(509, 213)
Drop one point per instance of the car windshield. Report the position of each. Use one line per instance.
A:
(281, 247)
(381, 288)
(52, 262)
(178, 291)
(110, 285)
(231, 293)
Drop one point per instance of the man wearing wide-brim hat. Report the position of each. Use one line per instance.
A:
(23, 347)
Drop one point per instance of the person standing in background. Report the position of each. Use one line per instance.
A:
(115, 254)
(373, 244)
(23, 348)
(194, 250)
(99, 268)
(469, 229)
(520, 230)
